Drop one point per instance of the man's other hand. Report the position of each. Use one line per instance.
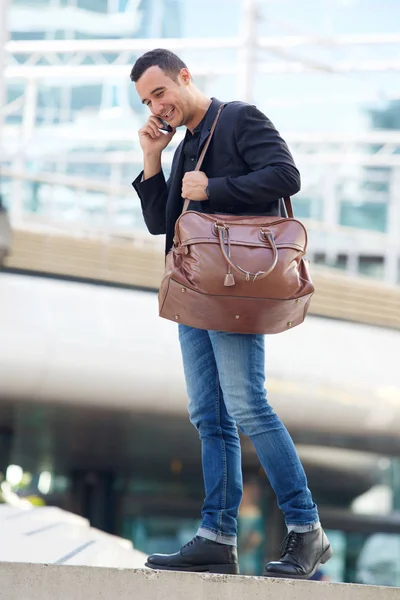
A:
(194, 185)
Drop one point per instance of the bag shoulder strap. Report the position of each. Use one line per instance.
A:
(287, 201)
(289, 207)
(205, 148)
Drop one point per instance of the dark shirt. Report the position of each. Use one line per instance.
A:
(191, 153)
(191, 148)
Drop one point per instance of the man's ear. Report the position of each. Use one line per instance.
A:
(185, 76)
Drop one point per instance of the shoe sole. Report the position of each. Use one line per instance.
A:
(218, 569)
(324, 559)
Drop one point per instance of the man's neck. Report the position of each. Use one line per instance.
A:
(203, 103)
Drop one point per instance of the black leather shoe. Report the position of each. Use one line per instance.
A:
(199, 555)
(302, 553)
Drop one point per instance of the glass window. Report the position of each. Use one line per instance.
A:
(371, 216)
(205, 21)
(14, 91)
(31, 3)
(49, 103)
(251, 530)
(302, 207)
(27, 35)
(172, 22)
(86, 96)
(159, 534)
(372, 266)
(320, 258)
(61, 34)
(341, 261)
(335, 568)
(160, 18)
(307, 206)
(376, 559)
(372, 185)
(338, 262)
(100, 6)
(367, 558)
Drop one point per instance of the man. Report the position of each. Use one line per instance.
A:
(247, 170)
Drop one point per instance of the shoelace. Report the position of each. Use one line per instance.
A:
(291, 543)
(189, 543)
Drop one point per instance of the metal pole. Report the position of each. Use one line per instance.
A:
(392, 253)
(247, 50)
(331, 213)
(4, 6)
(29, 112)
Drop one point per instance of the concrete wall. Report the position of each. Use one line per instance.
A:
(92, 345)
(44, 582)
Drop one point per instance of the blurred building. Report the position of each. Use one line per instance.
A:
(92, 412)
(72, 109)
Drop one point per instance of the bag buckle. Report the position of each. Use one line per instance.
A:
(219, 227)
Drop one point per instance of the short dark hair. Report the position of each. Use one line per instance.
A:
(168, 62)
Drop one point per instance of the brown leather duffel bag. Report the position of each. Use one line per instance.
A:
(240, 274)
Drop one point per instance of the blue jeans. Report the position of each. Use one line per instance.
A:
(225, 379)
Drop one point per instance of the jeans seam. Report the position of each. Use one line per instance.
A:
(224, 478)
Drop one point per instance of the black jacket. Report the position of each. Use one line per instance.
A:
(248, 164)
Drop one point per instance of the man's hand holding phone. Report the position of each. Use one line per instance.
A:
(153, 142)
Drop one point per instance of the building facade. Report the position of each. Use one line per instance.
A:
(72, 110)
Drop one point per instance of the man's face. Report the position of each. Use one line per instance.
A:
(165, 97)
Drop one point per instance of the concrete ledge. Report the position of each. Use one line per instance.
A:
(43, 582)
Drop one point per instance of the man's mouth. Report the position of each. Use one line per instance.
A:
(168, 115)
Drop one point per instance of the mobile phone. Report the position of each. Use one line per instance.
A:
(164, 125)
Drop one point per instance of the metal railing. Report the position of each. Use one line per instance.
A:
(108, 209)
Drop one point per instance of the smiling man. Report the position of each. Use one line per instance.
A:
(247, 170)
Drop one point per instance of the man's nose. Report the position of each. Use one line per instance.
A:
(157, 109)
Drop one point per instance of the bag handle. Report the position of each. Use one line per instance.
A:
(223, 233)
(203, 152)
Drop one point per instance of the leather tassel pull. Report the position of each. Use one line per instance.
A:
(229, 280)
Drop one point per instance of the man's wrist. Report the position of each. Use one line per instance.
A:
(152, 165)
(152, 156)
(207, 191)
